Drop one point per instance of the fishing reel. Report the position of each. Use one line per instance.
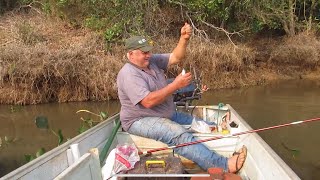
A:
(185, 96)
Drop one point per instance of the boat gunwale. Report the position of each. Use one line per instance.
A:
(29, 167)
(268, 149)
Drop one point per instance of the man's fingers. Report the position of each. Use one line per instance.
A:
(186, 29)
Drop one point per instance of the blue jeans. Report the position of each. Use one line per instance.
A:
(172, 133)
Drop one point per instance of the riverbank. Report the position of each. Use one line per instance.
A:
(44, 59)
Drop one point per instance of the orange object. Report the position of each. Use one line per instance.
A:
(218, 174)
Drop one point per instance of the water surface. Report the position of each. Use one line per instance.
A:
(262, 106)
(278, 103)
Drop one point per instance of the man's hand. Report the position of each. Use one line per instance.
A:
(180, 51)
(182, 81)
(157, 97)
(186, 31)
(204, 88)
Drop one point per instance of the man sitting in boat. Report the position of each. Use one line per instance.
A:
(147, 107)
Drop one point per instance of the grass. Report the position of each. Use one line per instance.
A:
(43, 59)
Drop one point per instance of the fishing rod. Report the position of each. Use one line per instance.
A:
(226, 136)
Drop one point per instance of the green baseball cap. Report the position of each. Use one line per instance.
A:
(138, 42)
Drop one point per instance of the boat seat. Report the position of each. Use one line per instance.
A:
(86, 167)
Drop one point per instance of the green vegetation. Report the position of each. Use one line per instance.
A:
(294, 152)
(30, 157)
(88, 123)
(42, 123)
(70, 50)
(6, 141)
(118, 18)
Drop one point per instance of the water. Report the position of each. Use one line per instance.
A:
(18, 124)
(262, 106)
(279, 103)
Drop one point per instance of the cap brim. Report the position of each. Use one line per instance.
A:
(146, 48)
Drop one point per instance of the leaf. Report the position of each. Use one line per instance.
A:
(15, 108)
(60, 137)
(42, 122)
(7, 139)
(29, 157)
(82, 129)
(0, 141)
(89, 122)
(104, 115)
(12, 109)
(294, 152)
(83, 110)
(40, 152)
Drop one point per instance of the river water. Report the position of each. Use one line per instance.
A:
(262, 106)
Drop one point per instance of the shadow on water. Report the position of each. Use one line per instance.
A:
(262, 106)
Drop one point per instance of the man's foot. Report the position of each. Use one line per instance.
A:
(236, 162)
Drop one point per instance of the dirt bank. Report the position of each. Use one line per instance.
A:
(47, 60)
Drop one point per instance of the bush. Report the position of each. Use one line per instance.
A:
(65, 67)
(302, 50)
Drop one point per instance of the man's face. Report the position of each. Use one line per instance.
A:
(139, 58)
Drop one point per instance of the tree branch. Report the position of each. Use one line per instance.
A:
(201, 33)
(228, 34)
(31, 6)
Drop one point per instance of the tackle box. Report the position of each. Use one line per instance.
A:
(157, 165)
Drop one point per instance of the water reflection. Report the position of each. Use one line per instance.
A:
(262, 106)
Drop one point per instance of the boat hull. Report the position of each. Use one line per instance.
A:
(261, 163)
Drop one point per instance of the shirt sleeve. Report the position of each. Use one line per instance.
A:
(161, 60)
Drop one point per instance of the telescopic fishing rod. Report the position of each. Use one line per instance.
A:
(226, 136)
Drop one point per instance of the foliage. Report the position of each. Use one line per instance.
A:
(88, 122)
(293, 151)
(288, 15)
(44, 59)
(6, 141)
(15, 108)
(117, 19)
(30, 157)
(28, 34)
(95, 22)
(114, 19)
(23, 2)
(219, 12)
(301, 51)
(59, 135)
(6, 5)
(42, 122)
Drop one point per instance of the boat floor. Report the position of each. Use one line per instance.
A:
(190, 168)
